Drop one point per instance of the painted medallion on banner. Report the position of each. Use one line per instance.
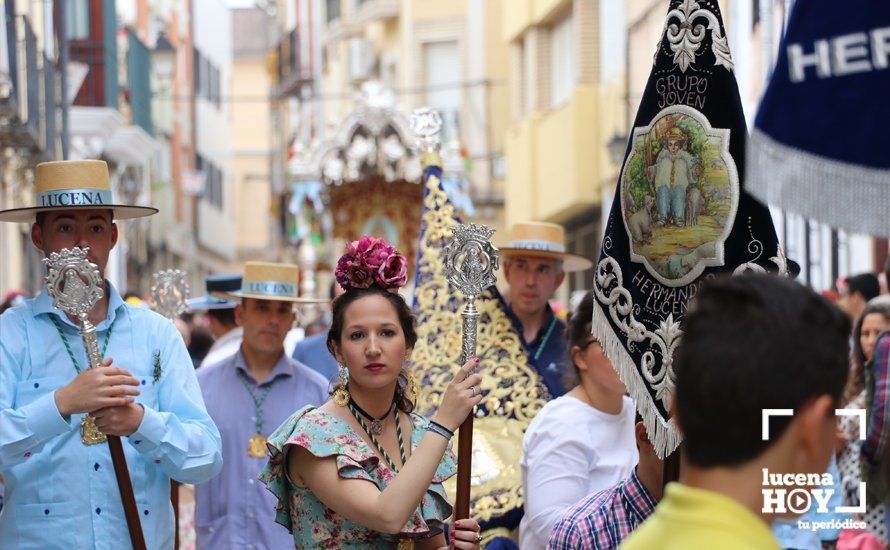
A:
(679, 195)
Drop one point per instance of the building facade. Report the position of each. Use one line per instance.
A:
(335, 56)
(567, 84)
(30, 132)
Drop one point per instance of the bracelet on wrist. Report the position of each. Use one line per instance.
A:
(437, 428)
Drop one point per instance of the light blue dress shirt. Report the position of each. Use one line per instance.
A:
(790, 535)
(61, 493)
(313, 352)
(235, 511)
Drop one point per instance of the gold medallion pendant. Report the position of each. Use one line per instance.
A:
(406, 544)
(256, 447)
(89, 433)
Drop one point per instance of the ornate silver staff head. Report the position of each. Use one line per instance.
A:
(426, 124)
(73, 281)
(169, 293)
(471, 259)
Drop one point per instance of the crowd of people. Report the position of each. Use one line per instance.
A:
(312, 440)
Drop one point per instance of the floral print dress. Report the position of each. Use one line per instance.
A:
(313, 524)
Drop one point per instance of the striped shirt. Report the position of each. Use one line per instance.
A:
(875, 444)
(604, 519)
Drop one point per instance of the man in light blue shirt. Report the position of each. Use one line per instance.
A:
(60, 492)
(805, 532)
(249, 394)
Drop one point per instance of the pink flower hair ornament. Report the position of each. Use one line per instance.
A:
(369, 261)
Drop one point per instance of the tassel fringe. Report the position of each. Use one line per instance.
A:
(664, 435)
(843, 195)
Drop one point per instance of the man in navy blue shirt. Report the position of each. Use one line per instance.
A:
(535, 263)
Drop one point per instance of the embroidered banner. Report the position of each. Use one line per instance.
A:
(680, 213)
(818, 147)
(513, 390)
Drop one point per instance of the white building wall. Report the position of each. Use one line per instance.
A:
(213, 39)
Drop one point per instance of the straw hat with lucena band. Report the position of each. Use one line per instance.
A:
(543, 240)
(73, 185)
(269, 281)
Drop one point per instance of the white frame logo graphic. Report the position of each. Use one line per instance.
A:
(787, 496)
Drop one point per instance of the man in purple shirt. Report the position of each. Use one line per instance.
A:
(249, 395)
(604, 519)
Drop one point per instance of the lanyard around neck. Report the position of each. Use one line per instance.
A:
(546, 338)
(58, 325)
(258, 400)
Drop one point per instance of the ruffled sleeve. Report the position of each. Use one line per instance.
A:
(434, 508)
(274, 474)
(322, 434)
(326, 435)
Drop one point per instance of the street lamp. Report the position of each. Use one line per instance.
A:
(163, 68)
(617, 145)
(163, 60)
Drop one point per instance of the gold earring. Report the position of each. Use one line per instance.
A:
(411, 383)
(341, 394)
(412, 386)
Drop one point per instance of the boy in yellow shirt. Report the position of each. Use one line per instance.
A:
(750, 343)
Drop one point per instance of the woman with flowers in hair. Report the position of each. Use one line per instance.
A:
(363, 470)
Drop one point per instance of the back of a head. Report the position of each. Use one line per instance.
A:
(866, 284)
(578, 327)
(750, 343)
(224, 316)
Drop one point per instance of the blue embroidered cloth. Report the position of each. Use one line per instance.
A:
(681, 212)
(819, 145)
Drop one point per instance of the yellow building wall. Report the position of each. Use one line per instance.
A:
(543, 10)
(517, 16)
(437, 9)
(250, 119)
(497, 66)
(252, 148)
(251, 181)
(519, 150)
(557, 162)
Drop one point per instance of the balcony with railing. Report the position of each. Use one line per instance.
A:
(332, 10)
(32, 76)
(139, 83)
(51, 79)
(291, 68)
(8, 62)
(28, 91)
(96, 47)
(375, 10)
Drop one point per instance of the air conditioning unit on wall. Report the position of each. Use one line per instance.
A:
(362, 59)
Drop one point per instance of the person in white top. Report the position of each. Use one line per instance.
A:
(221, 314)
(579, 443)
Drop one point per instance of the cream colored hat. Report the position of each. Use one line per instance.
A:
(269, 281)
(543, 240)
(73, 185)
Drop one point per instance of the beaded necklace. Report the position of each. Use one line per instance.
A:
(544, 341)
(68, 346)
(377, 445)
